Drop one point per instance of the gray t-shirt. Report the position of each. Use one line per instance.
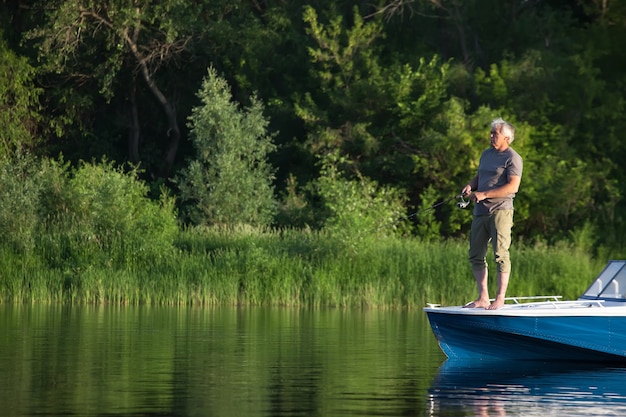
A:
(494, 170)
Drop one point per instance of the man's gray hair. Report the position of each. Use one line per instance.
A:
(504, 127)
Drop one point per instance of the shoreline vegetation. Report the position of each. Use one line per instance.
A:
(212, 266)
(92, 235)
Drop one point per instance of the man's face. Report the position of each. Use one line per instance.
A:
(498, 141)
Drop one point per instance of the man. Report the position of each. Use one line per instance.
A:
(493, 190)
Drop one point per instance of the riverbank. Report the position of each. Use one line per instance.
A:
(291, 268)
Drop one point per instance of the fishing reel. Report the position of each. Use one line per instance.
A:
(463, 203)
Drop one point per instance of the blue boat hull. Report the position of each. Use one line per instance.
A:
(569, 338)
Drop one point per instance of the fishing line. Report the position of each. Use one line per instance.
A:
(462, 203)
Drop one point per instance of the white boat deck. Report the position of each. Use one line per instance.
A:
(550, 301)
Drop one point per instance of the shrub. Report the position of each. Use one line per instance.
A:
(20, 183)
(357, 208)
(101, 214)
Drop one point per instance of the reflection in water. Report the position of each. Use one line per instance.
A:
(262, 362)
(177, 361)
(527, 389)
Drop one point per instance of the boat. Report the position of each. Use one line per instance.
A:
(591, 328)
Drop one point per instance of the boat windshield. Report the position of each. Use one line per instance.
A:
(610, 284)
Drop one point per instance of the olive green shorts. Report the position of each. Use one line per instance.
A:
(495, 228)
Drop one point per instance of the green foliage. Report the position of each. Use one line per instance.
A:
(19, 103)
(244, 266)
(428, 227)
(350, 84)
(66, 229)
(406, 97)
(103, 38)
(295, 210)
(21, 178)
(559, 269)
(359, 207)
(421, 92)
(397, 106)
(115, 66)
(394, 122)
(560, 195)
(115, 204)
(100, 215)
(230, 181)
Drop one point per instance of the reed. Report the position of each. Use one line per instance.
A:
(289, 267)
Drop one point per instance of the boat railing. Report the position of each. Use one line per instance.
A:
(557, 304)
(552, 301)
(516, 300)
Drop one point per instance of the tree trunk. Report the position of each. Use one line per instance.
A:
(173, 132)
(134, 130)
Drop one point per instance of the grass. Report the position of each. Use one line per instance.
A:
(286, 268)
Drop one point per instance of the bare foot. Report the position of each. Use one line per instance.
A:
(477, 304)
(498, 302)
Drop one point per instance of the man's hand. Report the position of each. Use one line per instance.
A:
(478, 196)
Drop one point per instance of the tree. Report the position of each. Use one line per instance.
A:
(230, 181)
(19, 103)
(113, 43)
(394, 121)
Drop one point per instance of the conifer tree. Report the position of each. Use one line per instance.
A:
(229, 181)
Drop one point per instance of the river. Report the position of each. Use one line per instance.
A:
(254, 362)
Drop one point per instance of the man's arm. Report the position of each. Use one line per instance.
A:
(510, 187)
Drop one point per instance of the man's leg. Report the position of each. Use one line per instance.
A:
(479, 242)
(481, 276)
(501, 232)
(503, 283)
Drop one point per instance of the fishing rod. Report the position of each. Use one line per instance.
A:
(460, 204)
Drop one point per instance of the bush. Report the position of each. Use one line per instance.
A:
(357, 208)
(101, 214)
(20, 184)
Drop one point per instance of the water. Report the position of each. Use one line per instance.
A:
(528, 389)
(172, 361)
